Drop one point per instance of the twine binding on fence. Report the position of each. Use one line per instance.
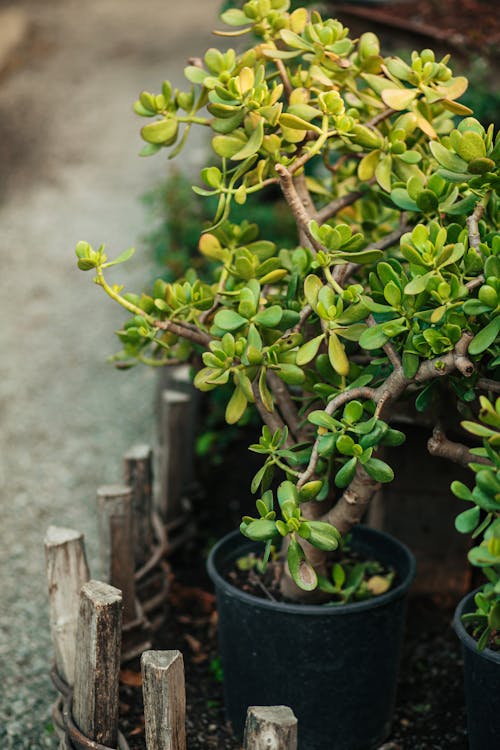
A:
(64, 725)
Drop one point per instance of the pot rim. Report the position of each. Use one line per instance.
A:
(467, 640)
(314, 609)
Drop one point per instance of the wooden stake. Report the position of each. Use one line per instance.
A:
(175, 408)
(139, 477)
(67, 571)
(97, 666)
(181, 380)
(270, 728)
(164, 700)
(117, 543)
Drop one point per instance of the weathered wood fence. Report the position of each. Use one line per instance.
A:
(96, 626)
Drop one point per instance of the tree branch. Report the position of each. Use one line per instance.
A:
(284, 77)
(473, 226)
(485, 384)
(388, 348)
(392, 388)
(286, 405)
(439, 445)
(474, 283)
(454, 360)
(342, 398)
(271, 419)
(184, 330)
(351, 507)
(337, 205)
(301, 214)
(380, 117)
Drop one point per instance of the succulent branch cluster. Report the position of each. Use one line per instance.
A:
(393, 287)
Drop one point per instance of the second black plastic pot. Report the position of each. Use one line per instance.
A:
(336, 667)
(482, 685)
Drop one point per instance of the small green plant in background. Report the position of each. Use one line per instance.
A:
(482, 521)
(389, 289)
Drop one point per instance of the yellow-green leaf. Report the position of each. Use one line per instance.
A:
(399, 98)
(308, 351)
(253, 144)
(367, 165)
(337, 355)
(236, 406)
(160, 131)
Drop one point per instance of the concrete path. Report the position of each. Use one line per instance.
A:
(69, 170)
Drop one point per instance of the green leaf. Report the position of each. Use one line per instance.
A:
(227, 145)
(309, 490)
(301, 571)
(392, 294)
(322, 419)
(212, 176)
(419, 283)
(86, 264)
(194, 74)
(160, 131)
(446, 158)
(353, 411)
(236, 406)
(383, 172)
(253, 144)
(402, 200)
(379, 470)
(312, 287)
(293, 122)
(373, 338)
(291, 374)
(337, 355)
(345, 474)
(485, 337)
(264, 391)
(122, 257)
(229, 320)
(362, 257)
(234, 17)
(399, 99)
(258, 478)
(467, 521)
(270, 317)
(308, 351)
(345, 445)
(323, 535)
(411, 362)
(260, 530)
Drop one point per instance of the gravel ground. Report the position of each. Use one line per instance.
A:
(69, 171)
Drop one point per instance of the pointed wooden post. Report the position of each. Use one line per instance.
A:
(97, 666)
(67, 571)
(138, 471)
(175, 408)
(164, 700)
(117, 542)
(270, 728)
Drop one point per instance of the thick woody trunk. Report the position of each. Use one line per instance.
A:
(353, 504)
(346, 513)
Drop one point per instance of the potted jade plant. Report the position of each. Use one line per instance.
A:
(390, 293)
(477, 618)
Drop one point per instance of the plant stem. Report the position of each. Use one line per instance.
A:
(439, 445)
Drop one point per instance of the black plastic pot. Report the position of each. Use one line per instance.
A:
(336, 667)
(482, 685)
